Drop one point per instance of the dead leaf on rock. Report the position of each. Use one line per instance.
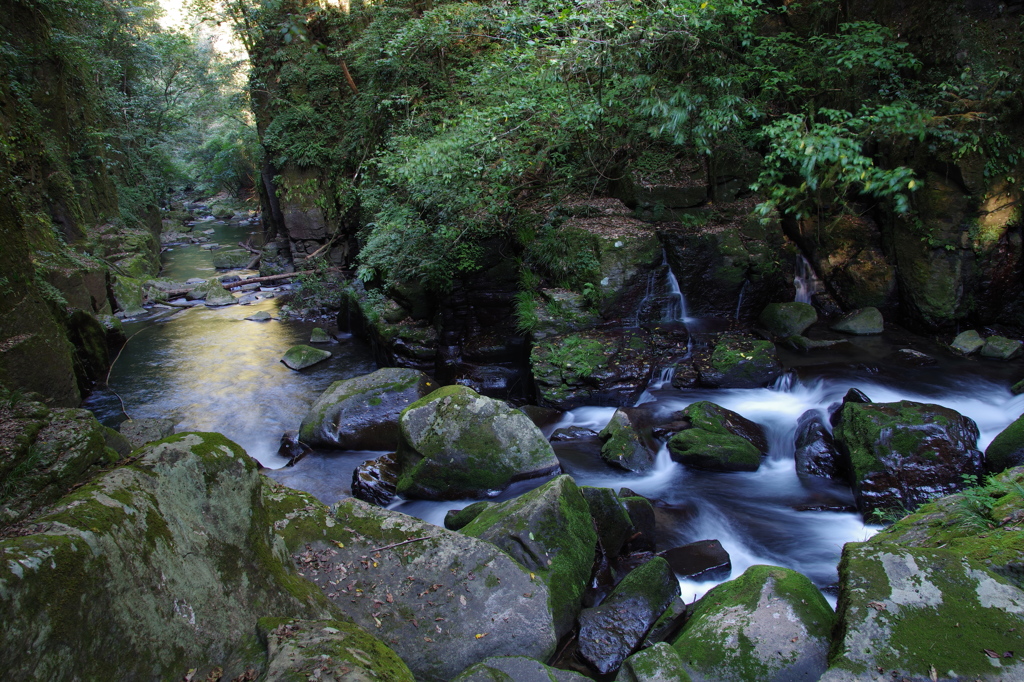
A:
(215, 675)
(992, 654)
(877, 605)
(189, 675)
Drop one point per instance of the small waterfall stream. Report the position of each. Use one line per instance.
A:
(805, 280)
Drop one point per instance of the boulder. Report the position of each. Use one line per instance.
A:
(816, 453)
(457, 519)
(291, 448)
(328, 650)
(549, 531)
(1017, 388)
(703, 560)
(455, 443)
(231, 259)
(861, 321)
(1001, 348)
(719, 440)
(261, 316)
(644, 523)
(610, 518)
(614, 629)
(908, 611)
(1007, 449)
(788, 319)
(146, 430)
(805, 345)
(362, 413)
(899, 455)
(318, 335)
(771, 623)
(739, 362)
(623, 445)
(301, 357)
(515, 669)
(659, 663)
(374, 480)
(967, 343)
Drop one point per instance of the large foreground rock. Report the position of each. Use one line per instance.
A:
(719, 440)
(924, 614)
(362, 413)
(623, 444)
(739, 361)
(788, 319)
(1007, 449)
(456, 443)
(770, 624)
(301, 357)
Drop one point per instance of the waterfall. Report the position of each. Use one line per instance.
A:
(805, 280)
(676, 309)
(739, 303)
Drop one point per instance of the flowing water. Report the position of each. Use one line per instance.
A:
(209, 369)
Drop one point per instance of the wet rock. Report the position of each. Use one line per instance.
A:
(788, 319)
(1007, 449)
(1001, 348)
(318, 335)
(217, 296)
(668, 625)
(515, 669)
(623, 446)
(642, 518)
(804, 344)
(260, 316)
(703, 560)
(909, 611)
(719, 440)
(549, 531)
(816, 453)
(543, 417)
(912, 358)
(145, 430)
(1017, 388)
(328, 650)
(899, 455)
(231, 259)
(374, 480)
(301, 357)
(457, 519)
(771, 623)
(739, 362)
(861, 321)
(610, 518)
(292, 448)
(659, 663)
(362, 413)
(455, 443)
(967, 343)
(614, 629)
(573, 433)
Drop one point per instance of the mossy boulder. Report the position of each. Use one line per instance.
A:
(362, 413)
(623, 445)
(899, 455)
(909, 611)
(610, 518)
(549, 531)
(515, 669)
(301, 357)
(318, 335)
(1001, 348)
(455, 443)
(1007, 449)
(862, 321)
(739, 362)
(967, 343)
(442, 600)
(614, 629)
(658, 663)
(788, 319)
(173, 549)
(146, 430)
(231, 259)
(718, 440)
(217, 295)
(260, 316)
(771, 623)
(457, 519)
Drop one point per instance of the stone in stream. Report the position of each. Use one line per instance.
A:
(457, 519)
(967, 343)
(623, 446)
(301, 357)
(260, 316)
(788, 319)
(804, 344)
(658, 663)
(374, 480)
(702, 560)
(910, 611)
(145, 430)
(455, 443)
(318, 335)
(1001, 348)
(641, 516)
(861, 322)
(231, 259)
(719, 440)
(771, 623)
(1017, 388)
(614, 629)
(899, 455)
(362, 413)
(573, 433)
(739, 362)
(610, 518)
(816, 453)
(219, 296)
(292, 448)
(1007, 449)
(550, 532)
(515, 669)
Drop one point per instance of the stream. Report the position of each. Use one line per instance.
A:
(209, 369)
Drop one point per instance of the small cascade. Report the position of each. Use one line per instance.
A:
(739, 303)
(805, 280)
(676, 309)
(651, 285)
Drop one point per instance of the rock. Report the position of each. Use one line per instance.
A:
(614, 629)
(907, 611)
(899, 455)
(457, 519)
(911, 358)
(659, 663)
(362, 413)
(212, 293)
(515, 669)
(456, 443)
(301, 357)
(771, 623)
(788, 319)
(804, 344)
(641, 516)
(1017, 388)
(703, 560)
(329, 650)
(719, 440)
(1001, 348)
(572, 433)
(1007, 449)
(374, 480)
(549, 531)
(260, 316)
(860, 321)
(461, 587)
(816, 453)
(172, 549)
(610, 518)
(146, 430)
(221, 212)
(199, 291)
(318, 335)
(967, 343)
(623, 446)
(231, 259)
(740, 362)
(669, 625)
(292, 448)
